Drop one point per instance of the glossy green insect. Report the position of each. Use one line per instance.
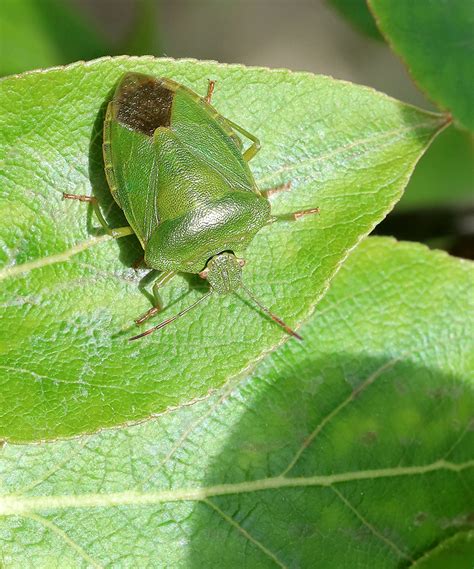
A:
(178, 170)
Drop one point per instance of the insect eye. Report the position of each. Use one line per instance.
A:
(203, 274)
(241, 262)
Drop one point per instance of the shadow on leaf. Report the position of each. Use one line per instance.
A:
(335, 462)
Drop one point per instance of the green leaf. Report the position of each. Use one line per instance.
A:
(42, 33)
(457, 552)
(353, 448)
(444, 175)
(70, 297)
(358, 14)
(434, 39)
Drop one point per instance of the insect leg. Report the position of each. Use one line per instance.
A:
(251, 150)
(161, 281)
(295, 215)
(210, 89)
(114, 232)
(276, 190)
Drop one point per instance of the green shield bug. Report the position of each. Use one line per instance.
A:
(178, 170)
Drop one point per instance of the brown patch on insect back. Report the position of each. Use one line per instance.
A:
(143, 103)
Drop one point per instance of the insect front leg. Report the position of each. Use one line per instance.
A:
(163, 278)
(114, 232)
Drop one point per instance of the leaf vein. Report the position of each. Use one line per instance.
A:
(245, 533)
(63, 535)
(341, 149)
(14, 270)
(372, 528)
(351, 397)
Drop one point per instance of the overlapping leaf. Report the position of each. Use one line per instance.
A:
(45, 33)
(358, 14)
(69, 296)
(354, 449)
(434, 39)
(444, 176)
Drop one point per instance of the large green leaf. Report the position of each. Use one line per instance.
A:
(434, 39)
(354, 448)
(70, 296)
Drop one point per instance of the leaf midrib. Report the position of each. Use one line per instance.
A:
(11, 505)
(63, 256)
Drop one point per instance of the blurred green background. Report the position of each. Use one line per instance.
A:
(333, 37)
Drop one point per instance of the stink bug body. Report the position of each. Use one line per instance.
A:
(178, 170)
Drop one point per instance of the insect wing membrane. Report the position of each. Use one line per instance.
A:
(141, 104)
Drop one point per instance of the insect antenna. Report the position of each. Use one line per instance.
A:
(279, 321)
(169, 320)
